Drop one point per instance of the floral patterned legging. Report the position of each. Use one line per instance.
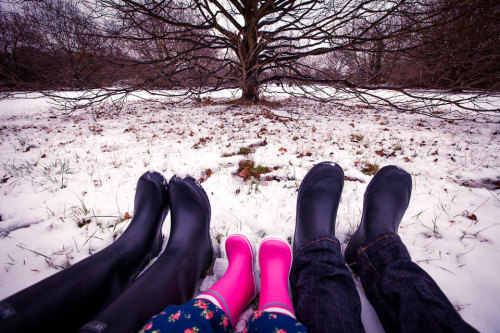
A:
(199, 316)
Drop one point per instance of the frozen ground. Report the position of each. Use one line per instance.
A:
(68, 183)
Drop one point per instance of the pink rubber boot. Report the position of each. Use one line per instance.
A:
(236, 288)
(275, 259)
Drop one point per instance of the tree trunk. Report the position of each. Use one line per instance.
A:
(250, 86)
(249, 54)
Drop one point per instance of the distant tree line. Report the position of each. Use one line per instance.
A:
(203, 45)
(53, 45)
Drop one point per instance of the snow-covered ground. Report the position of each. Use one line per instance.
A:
(68, 182)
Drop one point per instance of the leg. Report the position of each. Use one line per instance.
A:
(172, 279)
(405, 298)
(324, 294)
(66, 300)
(196, 316)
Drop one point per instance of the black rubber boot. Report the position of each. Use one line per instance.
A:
(317, 203)
(385, 202)
(65, 301)
(173, 278)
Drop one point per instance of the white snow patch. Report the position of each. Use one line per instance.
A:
(60, 172)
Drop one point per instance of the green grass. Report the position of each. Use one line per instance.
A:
(14, 169)
(244, 151)
(357, 137)
(248, 170)
(56, 171)
(370, 169)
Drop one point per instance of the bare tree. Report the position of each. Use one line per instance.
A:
(321, 49)
(18, 69)
(263, 41)
(51, 44)
(248, 44)
(463, 54)
(459, 52)
(68, 34)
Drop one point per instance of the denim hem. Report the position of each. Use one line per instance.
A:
(377, 239)
(380, 241)
(327, 237)
(379, 253)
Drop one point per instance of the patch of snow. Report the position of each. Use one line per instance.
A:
(67, 182)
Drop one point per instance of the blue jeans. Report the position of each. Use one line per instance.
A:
(404, 296)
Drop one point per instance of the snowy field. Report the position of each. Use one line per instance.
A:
(68, 182)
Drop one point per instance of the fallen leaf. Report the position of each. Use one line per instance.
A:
(472, 217)
(207, 175)
(245, 173)
(353, 179)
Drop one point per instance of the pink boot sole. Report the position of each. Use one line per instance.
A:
(275, 259)
(236, 288)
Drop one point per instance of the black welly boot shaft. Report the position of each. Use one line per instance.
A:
(385, 201)
(317, 203)
(173, 278)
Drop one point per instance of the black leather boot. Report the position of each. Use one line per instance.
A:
(173, 278)
(386, 199)
(65, 301)
(317, 202)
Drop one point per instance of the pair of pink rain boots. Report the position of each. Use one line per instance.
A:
(237, 287)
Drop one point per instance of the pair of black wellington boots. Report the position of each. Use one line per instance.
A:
(106, 292)
(385, 201)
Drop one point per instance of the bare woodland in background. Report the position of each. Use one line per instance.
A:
(315, 47)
